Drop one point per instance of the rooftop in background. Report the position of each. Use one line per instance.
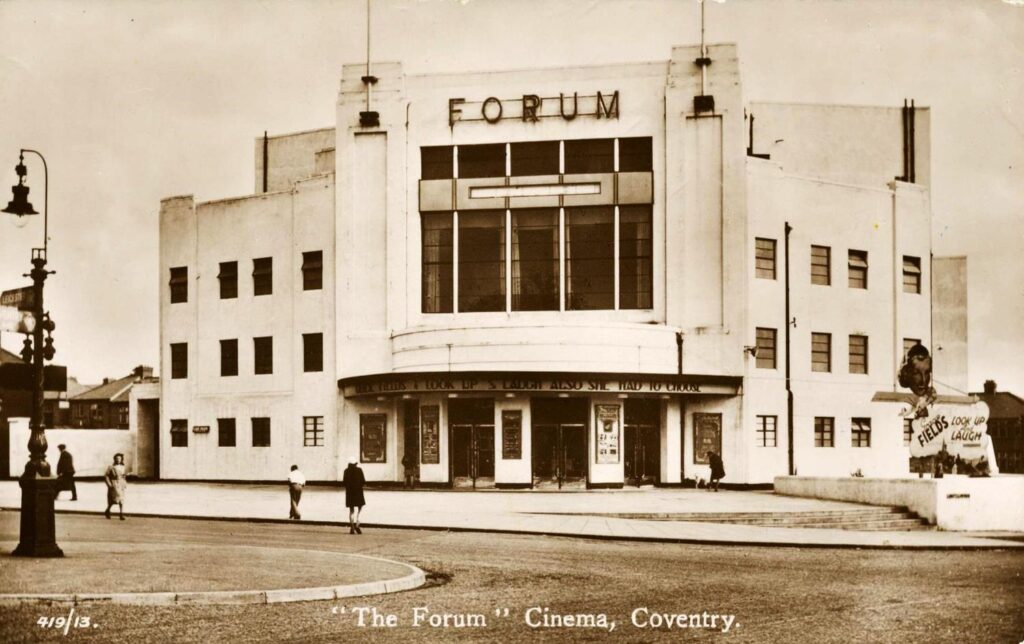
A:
(115, 390)
(74, 388)
(1001, 404)
(7, 356)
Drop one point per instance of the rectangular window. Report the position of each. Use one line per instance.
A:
(179, 432)
(263, 276)
(531, 159)
(821, 265)
(179, 284)
(635, 154)
(482, 261)
(636, 246)
(535, 276)
(313, 270)
(122, 417)
(821, 352)
(858, 269)
(437, 162)
(908, 343)
(437, 262)
(179, 360)
(824, 431)
(589, 258)
(766, 432)
(860, 432)
(764, 258)
(228, 277)
(858, 354)
(908, 431)
(588, 156)
(313, 431)
(225, 432)
(765, 357)
(911, 274)
(312, 351)
(261, 432)
(263, 355)
(229, 357)
(478, 161)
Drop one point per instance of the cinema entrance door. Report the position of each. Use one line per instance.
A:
(559, 436)
(472, 441)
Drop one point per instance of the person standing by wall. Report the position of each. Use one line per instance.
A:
(66, 472)
(354, 482)
(117, 483)
(296, 483)
(411, 470)
(717, 470)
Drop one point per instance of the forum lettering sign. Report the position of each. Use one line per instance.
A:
(533, 107)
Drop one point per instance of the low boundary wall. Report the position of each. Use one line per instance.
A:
(92, 449)
(951, 503)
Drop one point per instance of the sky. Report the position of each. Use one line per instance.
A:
(134, 101)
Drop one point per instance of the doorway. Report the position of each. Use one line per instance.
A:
(471, 426)
(642, 458)
(559, 438)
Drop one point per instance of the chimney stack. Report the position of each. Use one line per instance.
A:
(142, 372)
(990, 386)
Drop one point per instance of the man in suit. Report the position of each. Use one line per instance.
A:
(66, 472)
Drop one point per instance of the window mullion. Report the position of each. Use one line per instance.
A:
(562, 248)
(455, 261)
(508, 260)
(615, 235)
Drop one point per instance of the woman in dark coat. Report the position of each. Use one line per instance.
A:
(717, 470)
(354, 481)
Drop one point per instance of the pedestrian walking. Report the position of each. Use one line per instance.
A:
(354, 482)
(296, 482)
(117, 482)
(717, 470)
(411, 470)
(66, 472)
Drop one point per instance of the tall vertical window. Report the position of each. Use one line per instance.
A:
(764, 258)
(587, 156)
(821, 352)
(261, 432)
(179, 360)
(765, 357)
(821, 265)
(635, 154)
(535, 158)
(229, 357)
(437, 262)
(908, 344)
(263, 276)
(908, 431)
(313, 270)
(911, 274)
(481, 260)
(313, 431)
(179, 284)
(858, 354)
(437, 162)
(857, 267)
(635, 255)
(824, 431)
(263, 355)
(766, 431)
(228, 277)
(179, 432)
(478, 161)
(535, 278)
(590, 258)
(312, 351)
(225, 432)
(860, 432)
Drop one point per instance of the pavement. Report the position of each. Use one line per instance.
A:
(568, 514)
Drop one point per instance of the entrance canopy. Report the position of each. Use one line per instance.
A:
(537, 382)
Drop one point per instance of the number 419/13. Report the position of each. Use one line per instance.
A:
(78, 621)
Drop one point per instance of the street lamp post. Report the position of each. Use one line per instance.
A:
(38, 485)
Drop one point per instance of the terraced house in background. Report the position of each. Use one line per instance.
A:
(571, 277)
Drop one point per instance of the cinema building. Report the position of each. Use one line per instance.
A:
(554, 278)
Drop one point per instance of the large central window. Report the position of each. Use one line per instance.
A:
(507, 254)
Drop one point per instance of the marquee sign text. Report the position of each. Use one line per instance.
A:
(532, 107)
(538, 385)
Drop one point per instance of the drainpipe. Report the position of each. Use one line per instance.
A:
(679, 351)
(266, 143)
(789, 388)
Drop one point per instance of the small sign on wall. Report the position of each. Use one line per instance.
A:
(606, 418)
(512, 434)
(201, 429)
(373, 438)
(430, 444)
(707, 436)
